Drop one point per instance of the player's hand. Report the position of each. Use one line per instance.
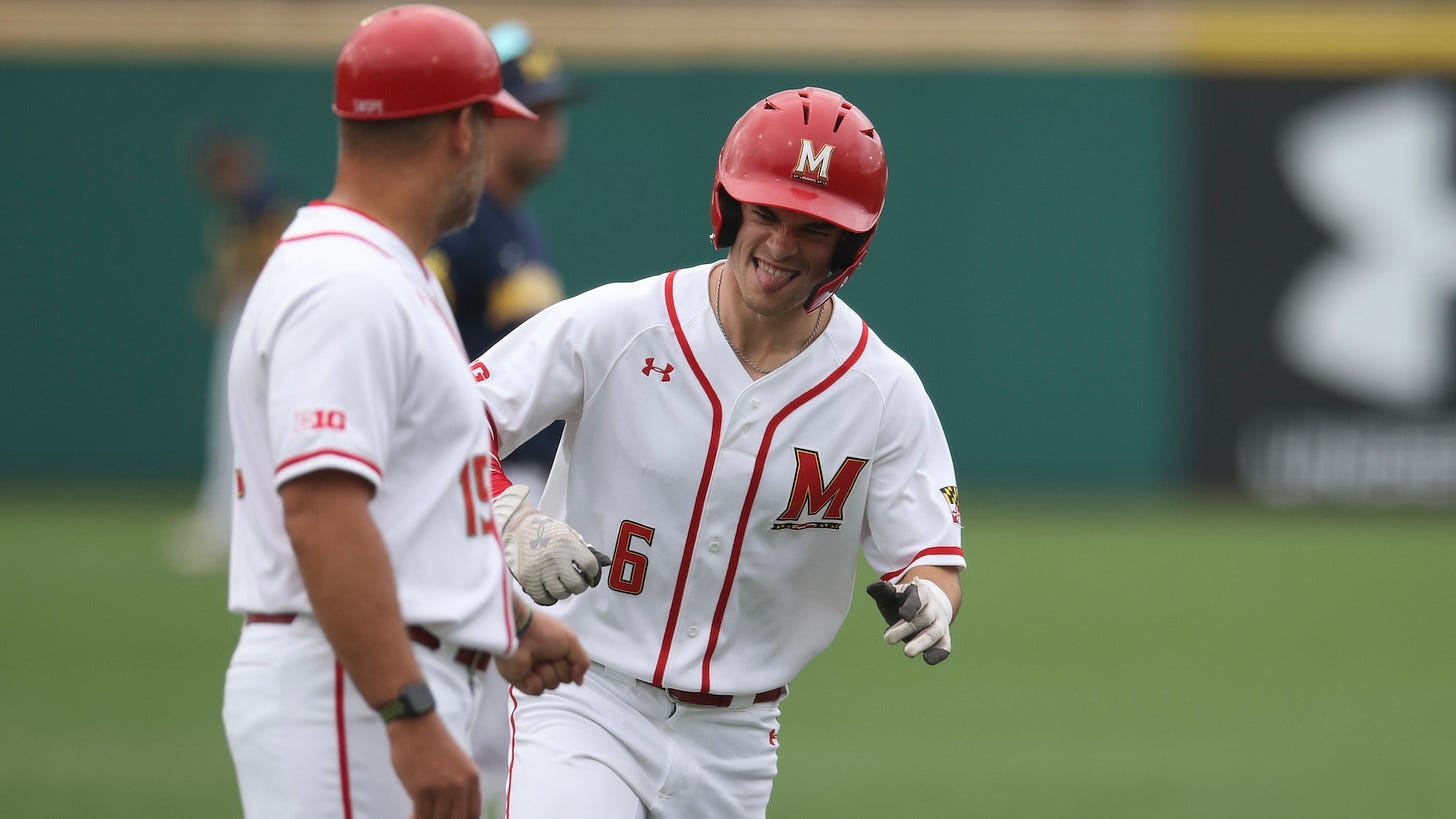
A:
(548, 655)
(550, 559)
(918, 614)
(438, 775)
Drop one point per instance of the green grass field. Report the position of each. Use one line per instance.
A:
(1115, 657)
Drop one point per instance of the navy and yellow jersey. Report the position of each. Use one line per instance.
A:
(497, 273)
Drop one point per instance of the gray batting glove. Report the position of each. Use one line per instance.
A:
(918, 614)
(550, 559)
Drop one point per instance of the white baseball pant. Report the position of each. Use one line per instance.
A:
(304, 742)
(617, 748)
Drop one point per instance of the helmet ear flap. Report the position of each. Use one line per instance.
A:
(847, 256)
(849, 251)
(727, 217)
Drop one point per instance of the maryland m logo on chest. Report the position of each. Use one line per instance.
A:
(812, 497)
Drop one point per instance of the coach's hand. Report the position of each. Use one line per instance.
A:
(438, 775)
(550, 559)
(919, 615)
(549, 655)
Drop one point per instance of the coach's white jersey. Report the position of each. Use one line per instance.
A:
(734, 510)
(347, 358)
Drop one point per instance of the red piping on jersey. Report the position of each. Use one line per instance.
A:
(497, 477)
(702, 498)
(454, 330)
(768, 433)
(494, 432)
(933, 550)
(449, 322)
(323, 233)
(511, 764)
(449, 325)
(498, 483)
(324, 203)
(343, 742)
(317, 453)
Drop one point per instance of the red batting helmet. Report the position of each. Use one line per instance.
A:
(409, 61)
(808, 151)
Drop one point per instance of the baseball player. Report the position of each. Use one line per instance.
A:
(365, 559)
(252, 211)
(735, 437)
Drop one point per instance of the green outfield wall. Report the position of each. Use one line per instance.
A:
(1027, 263)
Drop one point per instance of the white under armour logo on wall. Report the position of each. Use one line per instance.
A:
(1369, 315)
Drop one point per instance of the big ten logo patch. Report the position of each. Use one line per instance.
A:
(316, 419)
(478, 370)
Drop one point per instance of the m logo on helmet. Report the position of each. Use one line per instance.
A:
(813, 166)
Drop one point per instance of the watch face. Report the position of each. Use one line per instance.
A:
(414, 700)
(417, 699)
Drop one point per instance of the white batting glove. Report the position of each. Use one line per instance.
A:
(918, 614)
(550, 559)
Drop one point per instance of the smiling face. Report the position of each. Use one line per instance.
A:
(778, 257)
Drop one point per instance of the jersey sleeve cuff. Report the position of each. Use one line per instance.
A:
(307, 462)
(933, 556)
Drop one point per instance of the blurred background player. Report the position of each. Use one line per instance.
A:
(250, 213)
(498, 270)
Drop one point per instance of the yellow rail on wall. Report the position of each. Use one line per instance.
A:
(1208, 36)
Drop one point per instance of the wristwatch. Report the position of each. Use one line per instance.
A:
(414, 700)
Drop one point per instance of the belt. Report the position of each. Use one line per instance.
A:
(721, 700)
(696, 697)
(468, 657)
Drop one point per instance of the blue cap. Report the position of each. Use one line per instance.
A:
(531, 72)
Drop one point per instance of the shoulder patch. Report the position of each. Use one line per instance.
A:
(952, 497)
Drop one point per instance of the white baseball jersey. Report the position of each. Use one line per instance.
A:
(734, 509)
(347, 358)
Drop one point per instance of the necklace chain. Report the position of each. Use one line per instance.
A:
(718, 298)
